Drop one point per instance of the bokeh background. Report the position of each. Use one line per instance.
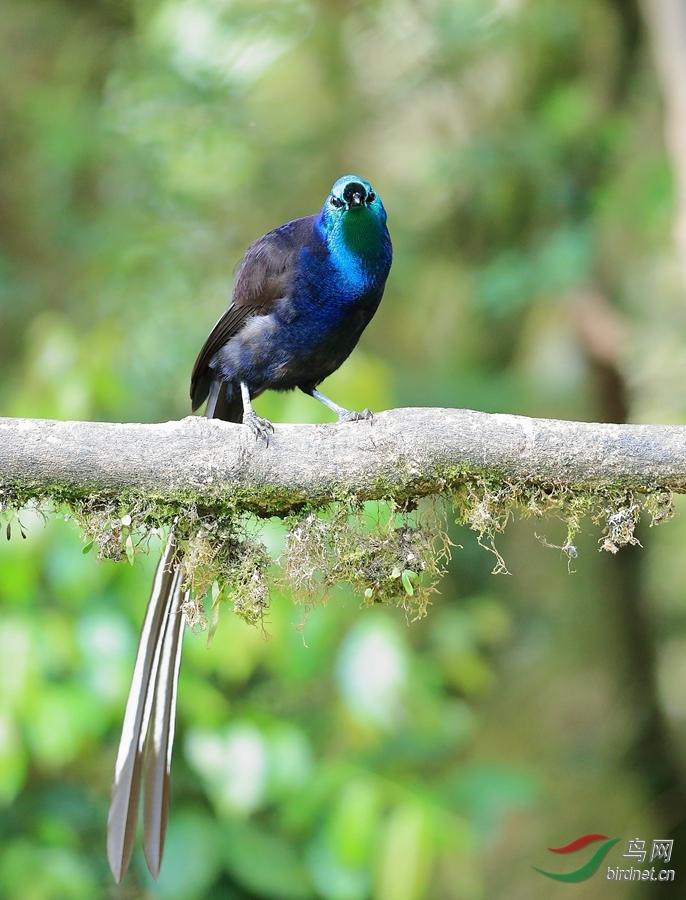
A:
(519, 147)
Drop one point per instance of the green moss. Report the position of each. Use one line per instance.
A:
(389, 551)
(486, 505)
(386, 553)
(222, 554)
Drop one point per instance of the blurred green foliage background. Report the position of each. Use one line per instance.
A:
(517, 145)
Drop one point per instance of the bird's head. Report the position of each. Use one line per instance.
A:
(351, 194)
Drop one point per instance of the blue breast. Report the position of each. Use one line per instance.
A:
(351, 263)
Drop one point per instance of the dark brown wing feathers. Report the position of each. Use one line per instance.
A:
(229, 325)
(264, 276)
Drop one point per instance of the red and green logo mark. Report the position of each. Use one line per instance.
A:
(589, 867)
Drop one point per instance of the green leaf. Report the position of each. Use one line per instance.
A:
(214, 622)
(130, 553)
(266, 864)
(192, 858)
(408, 576)
(217, 597)
(88, 547)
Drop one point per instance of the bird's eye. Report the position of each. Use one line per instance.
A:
(371, 197)
(336, 202)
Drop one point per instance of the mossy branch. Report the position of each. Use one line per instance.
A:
(123, 482)
(404, 454)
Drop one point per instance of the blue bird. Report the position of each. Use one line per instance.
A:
(303, 296)
(304, 293)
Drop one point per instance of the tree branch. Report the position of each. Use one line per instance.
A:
(404, 453)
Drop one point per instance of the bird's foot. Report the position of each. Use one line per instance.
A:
(261, 428)
(352, 416)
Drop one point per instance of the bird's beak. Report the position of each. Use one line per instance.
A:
(357, 199)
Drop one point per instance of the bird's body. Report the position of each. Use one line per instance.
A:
(303, 295)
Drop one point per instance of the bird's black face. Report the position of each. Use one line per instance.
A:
(354, 194)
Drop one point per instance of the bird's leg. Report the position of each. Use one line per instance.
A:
(344, 415)
(261, 428)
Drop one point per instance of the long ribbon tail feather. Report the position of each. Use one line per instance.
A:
(158, 751)
(123, 814)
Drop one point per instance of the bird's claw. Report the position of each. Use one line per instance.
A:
(260, 427)
(352, 416)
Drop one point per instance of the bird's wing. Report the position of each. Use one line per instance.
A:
(264, 276)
